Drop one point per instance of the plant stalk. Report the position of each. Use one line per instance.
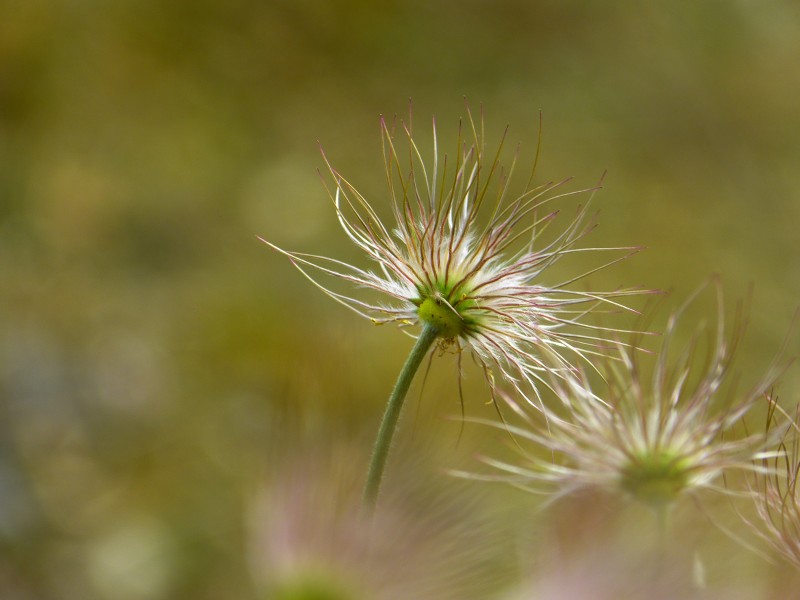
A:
(393, 408)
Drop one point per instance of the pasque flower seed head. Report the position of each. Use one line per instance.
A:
(468, 258)
(653, 438)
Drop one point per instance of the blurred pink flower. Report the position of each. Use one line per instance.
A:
(310, 539)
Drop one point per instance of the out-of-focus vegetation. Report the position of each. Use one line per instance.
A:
(167, 382)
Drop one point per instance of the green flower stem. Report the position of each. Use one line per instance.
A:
(381, 451)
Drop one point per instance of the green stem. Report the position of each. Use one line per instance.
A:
(384, 441)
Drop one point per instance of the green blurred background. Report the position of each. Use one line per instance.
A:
(160, 368)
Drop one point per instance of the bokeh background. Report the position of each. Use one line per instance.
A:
(179, 408)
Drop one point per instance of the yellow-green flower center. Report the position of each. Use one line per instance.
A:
(655, 480)
(442, 315)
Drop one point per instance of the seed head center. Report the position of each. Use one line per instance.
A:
(655, 480)
(438, 312)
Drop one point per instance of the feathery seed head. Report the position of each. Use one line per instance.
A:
(309, 541)
(652, 440)
(774, 488)
(467, 257)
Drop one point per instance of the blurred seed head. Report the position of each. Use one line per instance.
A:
(653, 438)
(311, 540)
(614, 573)
(774, 489)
